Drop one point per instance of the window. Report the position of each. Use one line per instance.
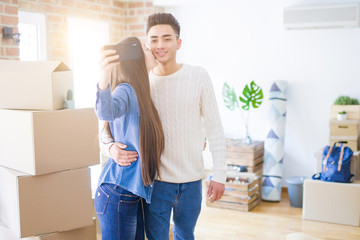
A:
(33, 36)
(85, 38)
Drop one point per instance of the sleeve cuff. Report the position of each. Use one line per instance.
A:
(219, 176)
(105, 90)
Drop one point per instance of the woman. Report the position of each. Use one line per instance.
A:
(132, 119)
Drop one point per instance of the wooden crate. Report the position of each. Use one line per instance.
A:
(254, 169)
(235, 206)
(243, 169)
(352, 111)
(233, 153)
(350, 141)
(236, 145)
(239, 195)
(246, 161)
(238, 153)
(344, 128)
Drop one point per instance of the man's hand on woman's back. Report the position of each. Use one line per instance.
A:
(122, 157)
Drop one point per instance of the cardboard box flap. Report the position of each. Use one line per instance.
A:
(16, 173)
(61, 67)
(32, 66)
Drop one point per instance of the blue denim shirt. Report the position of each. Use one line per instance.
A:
(120, 108)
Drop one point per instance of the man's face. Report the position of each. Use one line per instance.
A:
(163, 43)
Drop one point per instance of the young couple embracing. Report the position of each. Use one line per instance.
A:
(154, 109)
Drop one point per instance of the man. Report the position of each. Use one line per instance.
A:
(183, 95)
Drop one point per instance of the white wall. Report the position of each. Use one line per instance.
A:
(240, 41)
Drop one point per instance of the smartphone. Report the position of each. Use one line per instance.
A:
(126, 50)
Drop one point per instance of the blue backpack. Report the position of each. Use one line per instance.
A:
(336, 164)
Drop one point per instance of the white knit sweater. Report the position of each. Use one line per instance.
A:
(183, 99)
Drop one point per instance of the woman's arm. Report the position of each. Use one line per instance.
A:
(107, 64)
(109, 105)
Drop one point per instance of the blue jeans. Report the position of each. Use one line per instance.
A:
(185, 201)
(120, 213)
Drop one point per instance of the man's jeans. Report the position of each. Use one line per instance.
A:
(120, 213)
(184, 199)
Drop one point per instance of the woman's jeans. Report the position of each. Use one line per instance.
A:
(120, 213)
(185, 201)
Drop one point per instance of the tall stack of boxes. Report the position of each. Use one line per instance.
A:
(45, 154)
(346, 131)
(330, 201)
(242, 187)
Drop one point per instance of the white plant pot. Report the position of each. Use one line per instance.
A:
(70, 104)
(341, 117)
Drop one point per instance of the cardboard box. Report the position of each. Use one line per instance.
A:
(85, 233)
(350, 141)
(344, 128)
(34, 205)
(332, 202)
(40, 85)
(355, 165)
(39, 142)
(352, 111)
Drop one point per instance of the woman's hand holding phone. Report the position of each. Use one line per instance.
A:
(108, 60)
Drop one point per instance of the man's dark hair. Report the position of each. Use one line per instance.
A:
(163, 18)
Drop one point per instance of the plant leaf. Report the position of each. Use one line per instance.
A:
(253, 95)
(229, 97)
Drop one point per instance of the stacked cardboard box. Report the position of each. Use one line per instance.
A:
(332, 202)
(34, 85)
(45, 154)
(346, 131)
(352, 111)
(320, 197)
(85, 233)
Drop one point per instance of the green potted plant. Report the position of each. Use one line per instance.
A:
(69, 101)
(341, 115)
(346, 100)
(346, 104)
(252, 96)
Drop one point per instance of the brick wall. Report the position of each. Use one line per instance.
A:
(8, 18)
(125, 18)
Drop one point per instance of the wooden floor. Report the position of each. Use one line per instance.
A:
(267, 221)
